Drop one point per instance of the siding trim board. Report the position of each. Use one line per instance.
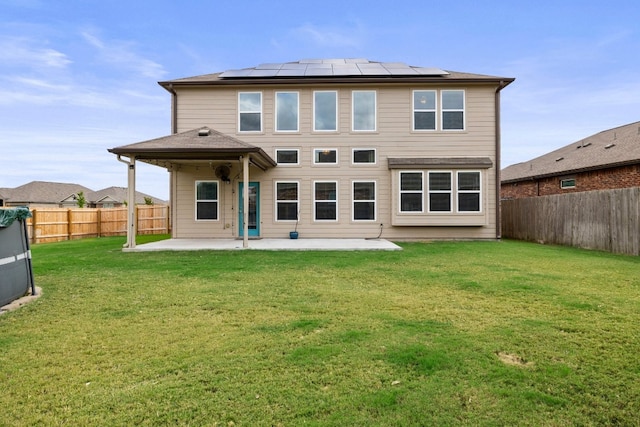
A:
(440, 162)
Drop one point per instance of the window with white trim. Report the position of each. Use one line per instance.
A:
(287, 156)
(364, 200)
(452, 102)
(325, 201)
(287, 201)
(287, 111)
(440, 191)
(250, 111)
(469, 191)
(206, 200)
(411, 191)
(363, 110)
(325, 156)
(424, 110)
(325, 110)
(568, 183)
(363, 156)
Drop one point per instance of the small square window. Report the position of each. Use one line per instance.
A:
(287, 156)
(364, 156)
(325, 156)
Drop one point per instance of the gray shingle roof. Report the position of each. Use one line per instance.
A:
(44, 192)
(119, 194)
(332, 70)
(196, 144)
(610, 148)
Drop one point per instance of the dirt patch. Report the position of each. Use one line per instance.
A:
(513, 360)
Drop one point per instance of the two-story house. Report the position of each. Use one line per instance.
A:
(340, 148)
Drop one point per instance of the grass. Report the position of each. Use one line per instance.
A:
(464, 333)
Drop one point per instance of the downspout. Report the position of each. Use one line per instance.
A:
(498, 147)
(174, 109)
(131, 201)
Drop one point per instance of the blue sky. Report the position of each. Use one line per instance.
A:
(78, 77)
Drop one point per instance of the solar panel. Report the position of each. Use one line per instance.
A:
(332, 67)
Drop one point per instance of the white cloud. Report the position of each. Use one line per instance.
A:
(351, 36)
(123, 55)
(22, 51)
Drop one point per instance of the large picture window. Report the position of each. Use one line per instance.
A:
(411, 192)
(206, 200)
(424, 109)
(287, 201)
(286, 111)
(364, 110)
(469, 191)
(439, 191)
(364, 201)
(325, 111)
(250, 111)
(325, 200)
(452, 109)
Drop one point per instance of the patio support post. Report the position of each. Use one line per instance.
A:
(245, 201)
(131, 201)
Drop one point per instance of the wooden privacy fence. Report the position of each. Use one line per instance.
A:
(607, 220)
(53, 224)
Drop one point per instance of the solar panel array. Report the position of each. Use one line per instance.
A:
(332, 67)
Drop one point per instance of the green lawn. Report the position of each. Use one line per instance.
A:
(446, 333)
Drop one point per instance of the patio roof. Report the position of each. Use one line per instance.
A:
(193, 145)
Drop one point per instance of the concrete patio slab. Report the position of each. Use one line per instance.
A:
(269, 245)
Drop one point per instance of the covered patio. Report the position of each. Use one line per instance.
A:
(190, 147)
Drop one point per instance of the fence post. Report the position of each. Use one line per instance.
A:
(69, 222)
(99, 222)
(33, 226)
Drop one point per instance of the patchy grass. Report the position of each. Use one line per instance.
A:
(465, 333)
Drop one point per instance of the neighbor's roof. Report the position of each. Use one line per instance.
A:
(119, 195)
(44, 192)
(610, 148)
(333, 70)
(196, 144)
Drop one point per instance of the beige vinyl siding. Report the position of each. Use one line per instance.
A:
(217, 107)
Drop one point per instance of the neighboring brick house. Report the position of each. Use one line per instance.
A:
(607, 160)
(339, 148)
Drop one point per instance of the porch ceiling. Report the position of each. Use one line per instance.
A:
(196, 145)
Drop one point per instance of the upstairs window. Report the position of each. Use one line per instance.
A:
(424, 110)
(439, 191)
(287, 111)
(250, 111)
(469, 192)
(411, 192)
(206, 200)
(452, 109)
(325, 111)
(364, 110)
